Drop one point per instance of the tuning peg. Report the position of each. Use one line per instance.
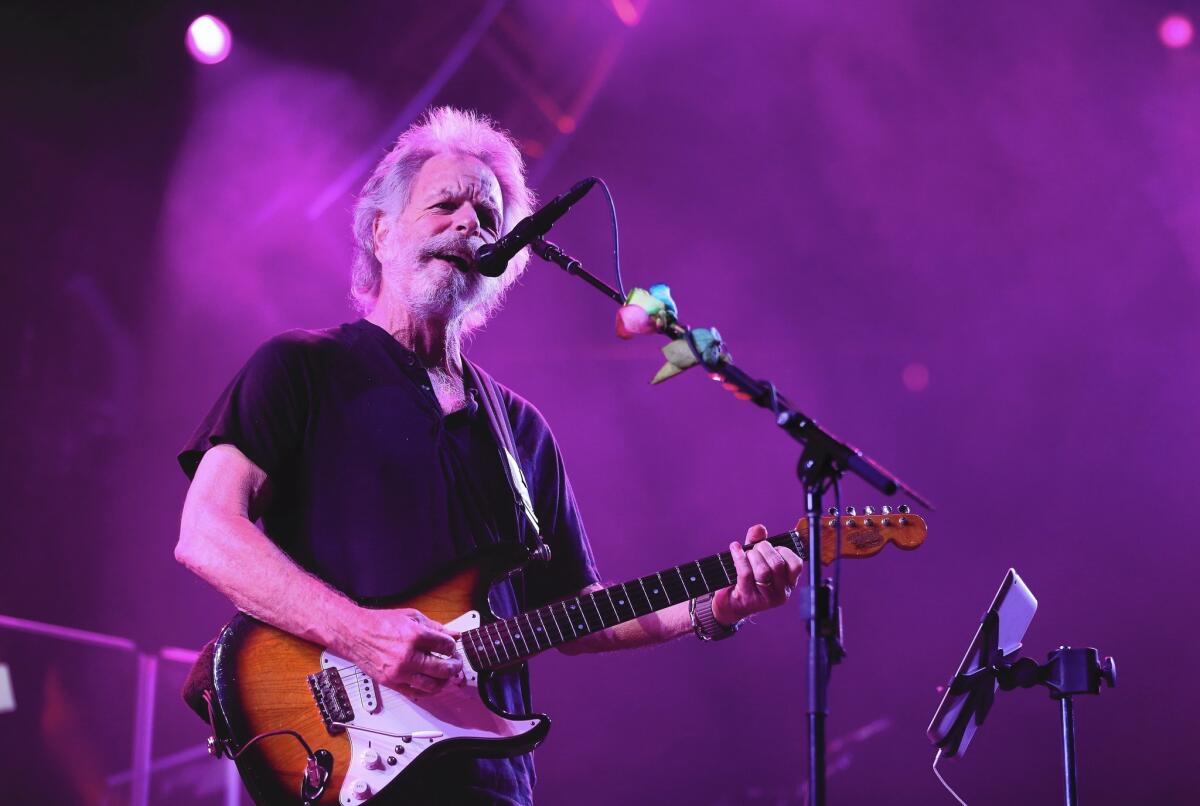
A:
(832, 511)
(886, 510)
(868, 510)
(903, 509)
(851, 511)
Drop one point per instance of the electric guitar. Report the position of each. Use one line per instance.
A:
(307, 726)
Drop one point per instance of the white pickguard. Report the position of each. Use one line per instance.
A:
(390, 730)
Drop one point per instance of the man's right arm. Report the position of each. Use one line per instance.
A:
(219, 542)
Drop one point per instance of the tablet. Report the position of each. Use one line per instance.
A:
(966, 701)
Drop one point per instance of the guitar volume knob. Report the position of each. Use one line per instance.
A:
(360, 790)
(371, 760)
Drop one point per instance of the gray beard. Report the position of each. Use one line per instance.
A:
(430, 290)
(431, 294)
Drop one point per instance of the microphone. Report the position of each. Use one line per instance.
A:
(491, 259)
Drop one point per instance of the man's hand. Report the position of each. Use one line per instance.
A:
(404, 650)
(765, 578)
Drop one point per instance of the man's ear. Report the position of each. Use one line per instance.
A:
(381, 228)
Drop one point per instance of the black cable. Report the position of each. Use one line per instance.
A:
(612, 212)
(224, 748)
(837, 549)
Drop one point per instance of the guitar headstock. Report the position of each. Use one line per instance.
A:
(865, 534)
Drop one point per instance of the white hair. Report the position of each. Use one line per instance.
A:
(442, 129)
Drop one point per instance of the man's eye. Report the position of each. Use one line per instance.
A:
(445, 205)
(487, 220)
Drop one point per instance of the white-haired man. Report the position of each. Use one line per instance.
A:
(364, 452)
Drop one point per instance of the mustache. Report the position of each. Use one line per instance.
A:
(448, 244)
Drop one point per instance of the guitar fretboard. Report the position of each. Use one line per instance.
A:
(512, 640)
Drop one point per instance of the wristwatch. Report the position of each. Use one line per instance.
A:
(705, 624)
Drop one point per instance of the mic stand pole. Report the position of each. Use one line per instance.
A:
(824, 630)
(823, 460)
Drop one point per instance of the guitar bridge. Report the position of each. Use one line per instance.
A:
(333, 702)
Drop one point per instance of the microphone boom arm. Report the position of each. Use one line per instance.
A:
(801, 427)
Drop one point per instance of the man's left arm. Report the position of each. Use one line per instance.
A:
(766, 576)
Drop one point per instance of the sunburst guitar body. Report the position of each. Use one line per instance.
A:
(308, 726)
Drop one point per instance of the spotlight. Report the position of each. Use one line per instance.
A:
(915, 377)
(627, 12)
(209, 40)
(1176, 31)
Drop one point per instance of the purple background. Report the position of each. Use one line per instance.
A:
(1006, 194)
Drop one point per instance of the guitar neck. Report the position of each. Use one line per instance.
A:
(508, 641)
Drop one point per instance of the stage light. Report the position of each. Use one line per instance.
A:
(915, 377)
(1176, 31)
(627, 12)
(209, 40)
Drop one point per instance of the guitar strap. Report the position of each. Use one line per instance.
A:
(199, 686)
(492, 402)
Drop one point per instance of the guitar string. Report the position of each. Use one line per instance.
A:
(705, 567)
(719, 562)
(353, 674)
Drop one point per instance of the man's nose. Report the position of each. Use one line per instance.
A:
(466, 221)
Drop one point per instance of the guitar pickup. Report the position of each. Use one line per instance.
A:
(331, 698)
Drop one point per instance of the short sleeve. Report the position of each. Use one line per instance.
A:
(262, 412)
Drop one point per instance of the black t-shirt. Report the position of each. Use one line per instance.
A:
(375, 491)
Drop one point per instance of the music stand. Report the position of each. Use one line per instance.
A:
(992, 663)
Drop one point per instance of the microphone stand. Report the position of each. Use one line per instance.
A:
(823, 460)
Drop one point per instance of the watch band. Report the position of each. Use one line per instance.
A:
(705, 624)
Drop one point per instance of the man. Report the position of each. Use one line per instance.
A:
(364, 452)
